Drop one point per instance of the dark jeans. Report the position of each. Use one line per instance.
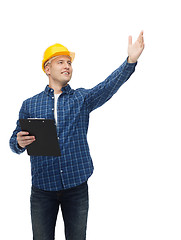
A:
(45, 206)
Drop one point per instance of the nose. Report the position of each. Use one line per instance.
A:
(66, 66)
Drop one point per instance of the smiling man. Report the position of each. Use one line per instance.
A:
(62, 181)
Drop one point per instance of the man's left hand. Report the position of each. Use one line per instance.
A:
(135, 50)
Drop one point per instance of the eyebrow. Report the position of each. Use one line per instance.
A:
(64, 60)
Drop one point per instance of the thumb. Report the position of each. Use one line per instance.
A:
(130, 40)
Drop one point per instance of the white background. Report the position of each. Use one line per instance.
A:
(134, 138)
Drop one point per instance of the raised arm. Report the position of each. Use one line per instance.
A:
(101, 93)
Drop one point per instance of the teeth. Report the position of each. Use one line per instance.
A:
(65, 73)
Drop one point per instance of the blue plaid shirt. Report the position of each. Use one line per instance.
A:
(74, 166)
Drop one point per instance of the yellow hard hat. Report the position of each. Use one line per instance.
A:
(56, 50)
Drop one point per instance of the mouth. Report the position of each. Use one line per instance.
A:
(65, 73)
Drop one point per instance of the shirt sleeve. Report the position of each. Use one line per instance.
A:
(13, 140)
(101, 93)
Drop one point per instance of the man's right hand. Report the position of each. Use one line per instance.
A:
(24, 140)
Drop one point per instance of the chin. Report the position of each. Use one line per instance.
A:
(66, 82)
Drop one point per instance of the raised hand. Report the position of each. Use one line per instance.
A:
(135, 50)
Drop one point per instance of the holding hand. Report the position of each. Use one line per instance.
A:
(135, 50)
(24, 140)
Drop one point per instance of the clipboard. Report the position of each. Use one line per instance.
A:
(44, 130)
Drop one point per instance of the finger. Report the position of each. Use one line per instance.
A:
(22, 138)
(142, 42)
(23, 144)
(130, 40)
(141, 34)
(22, 133)
(140, 38)
(28, 142)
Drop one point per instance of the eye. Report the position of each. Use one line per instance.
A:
(59, 62)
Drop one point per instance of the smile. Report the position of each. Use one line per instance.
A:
(65, 73)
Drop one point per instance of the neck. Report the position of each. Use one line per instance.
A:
(57, 87)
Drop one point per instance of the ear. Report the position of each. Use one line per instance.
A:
(47, 70)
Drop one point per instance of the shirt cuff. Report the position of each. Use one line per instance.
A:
(19, 149)
(133, 64)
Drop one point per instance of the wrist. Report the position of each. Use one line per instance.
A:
(130, 60)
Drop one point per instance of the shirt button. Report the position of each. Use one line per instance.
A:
(52, 109)
(52, 97)
(61, 171)
(58, 138)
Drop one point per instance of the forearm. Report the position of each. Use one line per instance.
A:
(14, 143)
(101, 93)
(15, 147)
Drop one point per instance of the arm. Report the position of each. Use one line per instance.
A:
(101, 93)
(19, 139)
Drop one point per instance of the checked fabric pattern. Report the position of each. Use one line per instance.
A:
(75, 165)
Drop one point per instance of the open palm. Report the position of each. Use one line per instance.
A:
(135, 50)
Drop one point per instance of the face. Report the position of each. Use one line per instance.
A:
(60, 70)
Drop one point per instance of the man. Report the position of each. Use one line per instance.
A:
(62, 181)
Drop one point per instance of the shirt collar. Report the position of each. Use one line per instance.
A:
(67, 89)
